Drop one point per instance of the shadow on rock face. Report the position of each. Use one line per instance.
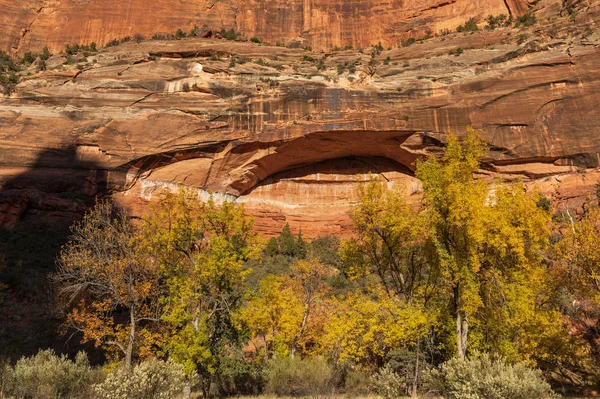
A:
(37, 209)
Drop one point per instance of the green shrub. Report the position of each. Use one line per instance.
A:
(526, 20)
(46, 53)
(151, 379)
(72, 49)
(455, 52)
(522, 37)
(487, 378)
(13, 78)
(388, 384)
(8, 82)
(237, 377)
(358, 383)
(112, 43)
(29, 58)
(7, 379)
(230, 34)
(299, 377)
(495, 21)
(300, 248)
(378, 47)
(409, 42)
(469, 26)
(7, 64)
(255, 39)
(47, 375)
(544, 203)
(195, 31)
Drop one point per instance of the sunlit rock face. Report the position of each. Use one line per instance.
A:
(293, 133)
(322, 24)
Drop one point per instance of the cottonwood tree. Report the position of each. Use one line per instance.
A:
(200, 249)
(310, 280)
(109, 285)
(286, 312)
(273, 314)
(456, 204)
(470, 252)
(488, 247)
(392, 242)
(364, 326)
(578, 255)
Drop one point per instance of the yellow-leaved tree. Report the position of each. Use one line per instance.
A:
(110, 285)
(392, 243)
(273, 314)
(287, 313)
(488, 242)
(364, 326)
(200, 248)
(470, 252)
(578, 255)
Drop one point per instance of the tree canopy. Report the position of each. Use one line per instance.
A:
(463, 267)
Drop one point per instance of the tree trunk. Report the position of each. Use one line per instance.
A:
(416, 376)
(205, 384)
(187, 390)
(302, 326)
(266, 346)
(462, 332)
(131, 339)
(462, 325)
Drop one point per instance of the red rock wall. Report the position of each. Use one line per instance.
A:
(31, 24)
(292, 140)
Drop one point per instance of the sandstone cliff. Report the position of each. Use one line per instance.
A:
(322, 24)
(291, 132)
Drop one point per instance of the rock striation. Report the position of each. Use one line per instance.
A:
(291, 133)
(321, 24)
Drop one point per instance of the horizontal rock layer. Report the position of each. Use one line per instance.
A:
(322, 24)
(292, 133)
